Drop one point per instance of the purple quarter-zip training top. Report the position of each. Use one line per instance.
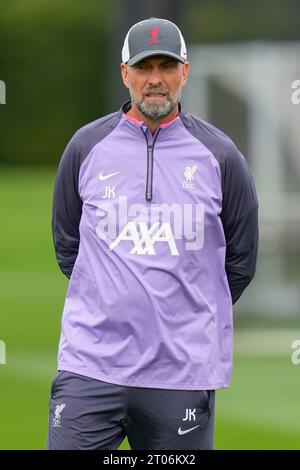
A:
(158, 235)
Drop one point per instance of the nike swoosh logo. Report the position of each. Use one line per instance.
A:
(105, 177)
(181, 432)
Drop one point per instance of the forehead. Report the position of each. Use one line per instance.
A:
(157, 60)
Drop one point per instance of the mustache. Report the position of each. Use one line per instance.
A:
(162, 91)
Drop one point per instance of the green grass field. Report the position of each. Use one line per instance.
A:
(259, 411)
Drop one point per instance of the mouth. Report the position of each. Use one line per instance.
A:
(156, 95)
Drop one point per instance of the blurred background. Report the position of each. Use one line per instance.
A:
(59, 69)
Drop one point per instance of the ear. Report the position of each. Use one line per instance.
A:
(124, 74)
(185, 72)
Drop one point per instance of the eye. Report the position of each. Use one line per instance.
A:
(171, 65)
(140, 66)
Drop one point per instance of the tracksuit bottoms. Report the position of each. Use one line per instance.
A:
(89, 414)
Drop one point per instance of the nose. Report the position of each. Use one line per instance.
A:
(155, 76)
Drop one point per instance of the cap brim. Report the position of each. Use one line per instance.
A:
(142, 55)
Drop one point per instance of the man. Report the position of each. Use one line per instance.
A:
(155, 223)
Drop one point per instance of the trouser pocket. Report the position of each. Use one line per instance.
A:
(55, 382)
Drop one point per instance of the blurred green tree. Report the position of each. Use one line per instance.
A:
(53, 59)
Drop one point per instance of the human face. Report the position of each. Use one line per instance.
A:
(155, 85)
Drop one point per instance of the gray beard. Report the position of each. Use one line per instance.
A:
(155, 111)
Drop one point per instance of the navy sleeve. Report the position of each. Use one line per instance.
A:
(67, 204)
(240, 221)
(66, 208)
(239, 213)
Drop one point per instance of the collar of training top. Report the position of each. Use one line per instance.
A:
(127, 105)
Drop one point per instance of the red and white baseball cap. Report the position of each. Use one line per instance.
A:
(154, 36)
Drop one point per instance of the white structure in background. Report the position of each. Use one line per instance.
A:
(2, 92)
(2, 352)
(261, 74)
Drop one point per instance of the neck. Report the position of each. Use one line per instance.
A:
(153, 125)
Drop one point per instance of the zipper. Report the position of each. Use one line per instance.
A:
(149, 177)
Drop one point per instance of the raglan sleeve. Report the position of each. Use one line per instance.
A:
(240, 221)
(67, 207)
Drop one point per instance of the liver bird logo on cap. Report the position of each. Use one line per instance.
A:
(154, 36)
